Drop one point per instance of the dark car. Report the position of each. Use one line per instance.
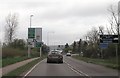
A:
(55, 56)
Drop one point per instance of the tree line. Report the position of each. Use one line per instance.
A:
(90, 45)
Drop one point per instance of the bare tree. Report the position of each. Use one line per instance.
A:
(93, 35)
(113, 20)
(101, 30)
(93, 41)
(111, 25)
(109, 30)
(10, 27)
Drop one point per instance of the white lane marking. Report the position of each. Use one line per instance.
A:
(75, 70)
(32, 68)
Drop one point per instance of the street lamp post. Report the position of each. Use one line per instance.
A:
(29, 47)
(30, 20)
(48, 37)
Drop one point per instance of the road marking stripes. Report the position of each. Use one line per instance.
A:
(32, 68)
(75, 70)
(70, 66)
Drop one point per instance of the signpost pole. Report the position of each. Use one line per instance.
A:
(101, 53)
(29, 48)
(117, 55)
(28, 51)
(118, 27)
(40, 51)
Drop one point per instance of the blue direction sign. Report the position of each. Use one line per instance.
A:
(103, 45)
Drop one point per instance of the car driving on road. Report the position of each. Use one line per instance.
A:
(55, 56)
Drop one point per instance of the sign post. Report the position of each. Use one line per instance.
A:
(34, 39)
(29, 52)
(38, 37)
(118, 27)
(39, 45)
(40, 51)
(103, 45)
(106, 39)
(31, 36)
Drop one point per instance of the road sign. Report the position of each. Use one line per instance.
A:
(31, 33)
(38, 44)
(35, 37)
(30, 42)
(115, 39)
(103, 45)
(38, 34)
(108, 38)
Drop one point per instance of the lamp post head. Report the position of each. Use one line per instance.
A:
(30, 19)
(31, 15)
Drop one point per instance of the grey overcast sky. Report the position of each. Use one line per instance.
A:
(68, 19)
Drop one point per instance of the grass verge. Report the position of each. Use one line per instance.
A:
(24, 68)
(0, 63)
(111, 63)
(12, 60)
(12, 55)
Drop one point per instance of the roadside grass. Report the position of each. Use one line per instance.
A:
(12, 60)
(14, 55)
(17, 72)
(13, 52)
(111, 63)
(0, 63)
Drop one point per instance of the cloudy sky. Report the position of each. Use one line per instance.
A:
(64, 20)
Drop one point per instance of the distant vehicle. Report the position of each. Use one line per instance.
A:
(68, 54)
(55, 56)
(59, 51)
(81, 53)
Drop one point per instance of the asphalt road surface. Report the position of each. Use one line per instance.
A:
(71, 67)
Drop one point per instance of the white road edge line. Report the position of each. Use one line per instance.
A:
(75, 70)
(32, 68)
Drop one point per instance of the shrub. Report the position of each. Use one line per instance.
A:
(12, 52)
